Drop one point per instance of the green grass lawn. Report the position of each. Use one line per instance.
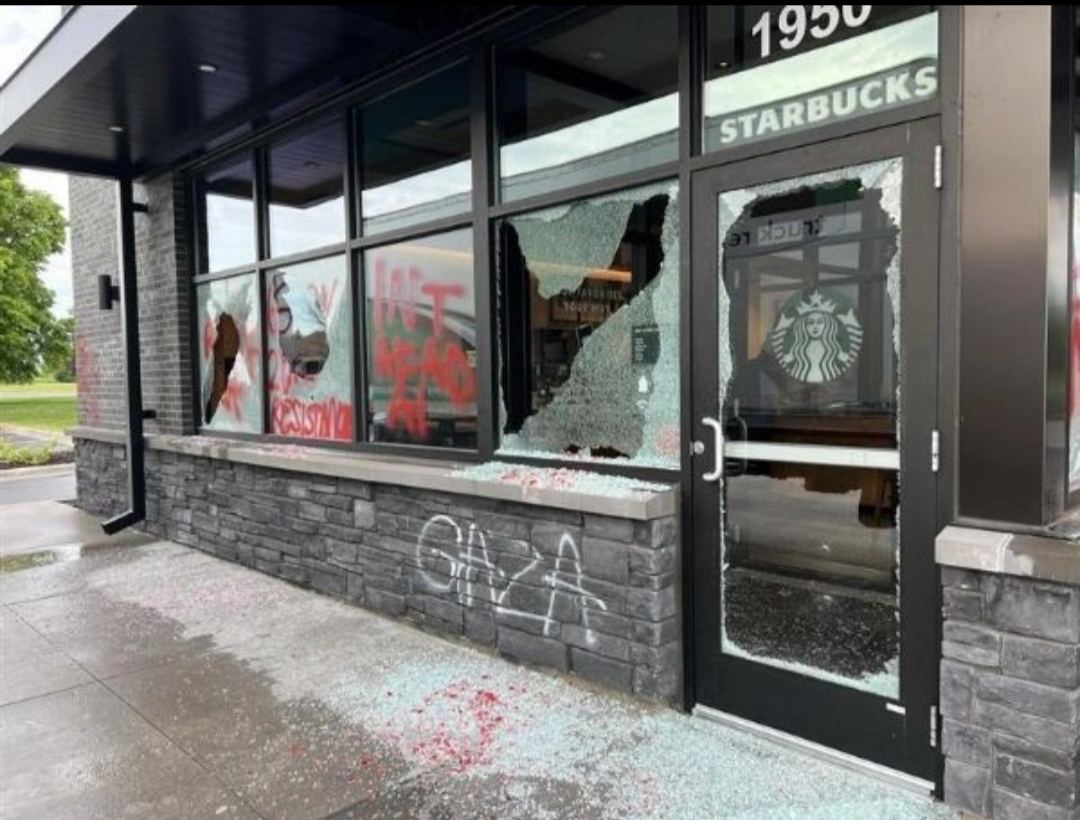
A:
(39, 412)
(47, 386)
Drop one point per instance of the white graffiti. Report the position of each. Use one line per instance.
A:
(471, 575)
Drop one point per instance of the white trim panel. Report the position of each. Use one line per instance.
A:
(873, 457)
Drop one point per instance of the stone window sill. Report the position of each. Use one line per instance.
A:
(633, 500)
(1006, 553)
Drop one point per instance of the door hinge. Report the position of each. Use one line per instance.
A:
(937, 166)
(935, 451)
(933, 727)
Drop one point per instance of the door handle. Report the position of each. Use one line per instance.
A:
(718, 446)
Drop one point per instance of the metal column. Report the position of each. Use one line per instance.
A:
(136, 468)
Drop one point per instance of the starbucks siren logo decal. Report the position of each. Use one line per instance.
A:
(817, 336)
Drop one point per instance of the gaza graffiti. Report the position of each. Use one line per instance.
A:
(468, 572)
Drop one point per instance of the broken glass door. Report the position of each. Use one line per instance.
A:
(813, 510)
(811, 274)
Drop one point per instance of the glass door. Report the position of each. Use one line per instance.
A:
(815, 310)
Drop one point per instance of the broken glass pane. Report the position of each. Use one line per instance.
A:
(809, 580)
(589, 321)
(309, 350)
(230, 354)
(809, 315)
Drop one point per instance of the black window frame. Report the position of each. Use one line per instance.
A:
(480, 49)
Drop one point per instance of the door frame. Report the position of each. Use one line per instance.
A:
(839, 717)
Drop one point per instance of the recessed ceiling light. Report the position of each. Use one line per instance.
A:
(207, 68)
(597, 55)
(723, 64)
(116, 129)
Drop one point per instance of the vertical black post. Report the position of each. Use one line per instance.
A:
(357, 283)
(691, 130)
(483, 151)
(136, 468)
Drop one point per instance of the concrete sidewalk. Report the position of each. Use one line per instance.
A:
(150, 680)
(54, 482)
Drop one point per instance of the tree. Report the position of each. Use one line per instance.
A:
(31, 230)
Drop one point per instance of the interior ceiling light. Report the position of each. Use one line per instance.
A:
(207, 68)
(596, 55)
(116, 129)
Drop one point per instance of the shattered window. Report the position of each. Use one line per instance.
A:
(309, 350)
(589, 309)
(306, 191)
(420, 315)
(593, 98)
(230, 354)
(227, 213)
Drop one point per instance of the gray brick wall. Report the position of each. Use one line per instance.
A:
(1010, 696)
(99, 348)
(593, 595)
(164, 306)
(164, 294)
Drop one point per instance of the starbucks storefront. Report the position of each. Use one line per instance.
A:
(720, 355)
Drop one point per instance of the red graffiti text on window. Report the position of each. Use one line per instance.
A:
(413, 367)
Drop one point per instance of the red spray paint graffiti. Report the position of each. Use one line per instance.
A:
(88, 380)
(327, 419)
(293, 411)
(414, 367)
(232, 399)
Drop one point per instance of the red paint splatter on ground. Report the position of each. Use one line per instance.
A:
(650, 794)
(456, 727)
(296, 748)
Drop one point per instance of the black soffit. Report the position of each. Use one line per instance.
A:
(144, 69)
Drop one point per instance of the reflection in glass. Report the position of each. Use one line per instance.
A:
(1074, 335)
(309, 350)
(307, 191)
(230, 354)
(763, 81)
(228, 215)
(416, 153)
(810, 571)
(421, 321)
(595, 99)
(590, 348)
(810, 270)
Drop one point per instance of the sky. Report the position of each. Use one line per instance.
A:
(21, 29)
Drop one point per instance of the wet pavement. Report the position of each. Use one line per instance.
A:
(37, 484)
(146, 679)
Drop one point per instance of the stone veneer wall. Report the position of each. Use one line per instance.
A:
(1010, 695)
(577, 592)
